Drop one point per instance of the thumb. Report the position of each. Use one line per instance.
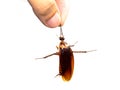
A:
(47, 11)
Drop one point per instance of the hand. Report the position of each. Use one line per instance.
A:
(51, 13)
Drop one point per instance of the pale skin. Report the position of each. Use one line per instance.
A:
(52, 13)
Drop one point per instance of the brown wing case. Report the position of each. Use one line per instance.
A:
(66, 65)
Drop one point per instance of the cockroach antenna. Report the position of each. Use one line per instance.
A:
(61, 34)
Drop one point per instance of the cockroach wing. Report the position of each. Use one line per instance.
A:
(66, 63)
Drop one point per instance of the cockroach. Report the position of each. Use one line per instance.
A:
(66, 58)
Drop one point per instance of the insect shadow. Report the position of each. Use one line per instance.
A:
(66, 57)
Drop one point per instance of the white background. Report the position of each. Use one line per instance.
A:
(95, 24)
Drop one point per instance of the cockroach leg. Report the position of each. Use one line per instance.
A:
(57, 75)
(83, 51)
(48, 55)
(73, 44)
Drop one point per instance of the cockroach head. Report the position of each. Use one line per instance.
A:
(61, 38)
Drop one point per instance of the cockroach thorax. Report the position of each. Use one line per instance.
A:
(63, 45)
